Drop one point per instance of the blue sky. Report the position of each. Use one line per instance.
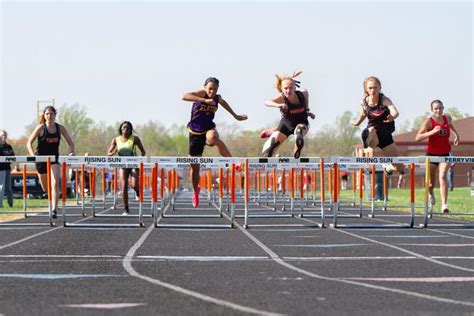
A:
(134, 60)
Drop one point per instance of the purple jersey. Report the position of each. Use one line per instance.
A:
(202, 116)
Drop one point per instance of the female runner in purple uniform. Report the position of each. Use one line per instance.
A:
(202, 129)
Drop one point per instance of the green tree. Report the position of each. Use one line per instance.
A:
(96, 141)
(417, 121)
(455, 113)
(346, 135)
(75, 119)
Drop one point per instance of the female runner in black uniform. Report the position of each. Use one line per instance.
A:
(49, 135)
(380, 113)
(293, 105)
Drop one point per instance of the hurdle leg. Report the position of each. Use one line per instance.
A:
(323, 215)
(335, 208)
(427, 188)
(335, 204)
(372, 190)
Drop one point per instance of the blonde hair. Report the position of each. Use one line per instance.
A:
(370, 78)
(279, 80)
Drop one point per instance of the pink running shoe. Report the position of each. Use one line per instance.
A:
(266, 133)
(196, 198)
(238, 167)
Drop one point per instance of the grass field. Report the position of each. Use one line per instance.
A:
(459, 200)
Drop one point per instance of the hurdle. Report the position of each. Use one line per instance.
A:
(428, 208)
(371, 162)
(206, 164)
(295, 167)
(326, 205)
(94, 162)
(31, 159)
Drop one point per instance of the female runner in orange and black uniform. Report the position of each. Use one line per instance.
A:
(293, 105)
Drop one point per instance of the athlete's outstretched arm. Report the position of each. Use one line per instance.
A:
(226, 106)
(198, 96)
(113, 148)
(138, 142)
(277, 102)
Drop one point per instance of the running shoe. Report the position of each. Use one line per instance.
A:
(266, 133)
(54, 214)
(196, 198)
(126, 212)
(365, 137)
(388, 168)
(445, 209)
(299, 146)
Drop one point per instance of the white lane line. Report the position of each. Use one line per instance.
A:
(59, 260)
(280, 261)
(346, 258)
(372, 258)
(47, 276)
(127, 264)
(418, 280)
(438, 245)
(45, 232)
(28, 238)
(432, 260)
(322, 245)
(406, 251)
(60, 256)
(105, 306)
(408, 236)
(202, 258)
(30, 259)
(450, 233)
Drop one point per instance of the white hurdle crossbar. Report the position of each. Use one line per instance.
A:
(107, 162)
(185, 162)
(372, 161)
(30, 159)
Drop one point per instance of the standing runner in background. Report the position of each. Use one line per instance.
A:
(293, 105)
(202, 129)
(437, 129)
(125, 145)
(48, 134)
(5, 170)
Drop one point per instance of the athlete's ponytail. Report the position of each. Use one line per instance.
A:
(279, 80)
